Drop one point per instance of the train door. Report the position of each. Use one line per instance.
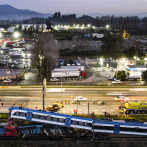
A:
(116, 128)
(68, 121)
(29, 115)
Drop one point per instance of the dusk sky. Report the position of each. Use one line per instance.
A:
(80, 6)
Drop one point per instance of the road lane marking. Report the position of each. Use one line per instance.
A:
(13, 91)
(138, 89)
(11, 94)
(67, 94)
(121, 93)
(35, 91)
(92, 94)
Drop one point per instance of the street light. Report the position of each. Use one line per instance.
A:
(16, 34)
(145, 60)
(107, 26)
(101, 62)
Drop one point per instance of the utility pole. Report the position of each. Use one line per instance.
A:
(88, 108)
(93, 117)
(77, 101)
(44, 92)
(61, 85)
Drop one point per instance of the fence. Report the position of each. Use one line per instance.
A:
(17, 83)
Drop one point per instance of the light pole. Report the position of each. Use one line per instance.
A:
(61, 84)
(101, 62)
(135, 59)
(44, 92)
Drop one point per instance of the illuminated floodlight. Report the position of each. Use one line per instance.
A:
(16, 34)
(56, 27)
(101, 59)
(0, 34)
(107, 26)
(23, 54)
(88, 25)
(134, 57)
(138, 59)
(93, 27)
(145, 58)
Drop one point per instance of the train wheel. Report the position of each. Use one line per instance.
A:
(138, 111)
(143, 112)
(132, 112)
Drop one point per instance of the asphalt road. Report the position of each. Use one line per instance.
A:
(90, 93)
(32, 97)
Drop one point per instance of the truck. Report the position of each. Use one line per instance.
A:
(15, 53)
(68, 74)
(133, 108)
(81, 68)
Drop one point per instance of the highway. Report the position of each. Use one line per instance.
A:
(32, 97)
(89, 93)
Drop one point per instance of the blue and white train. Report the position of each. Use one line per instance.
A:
(100, 126)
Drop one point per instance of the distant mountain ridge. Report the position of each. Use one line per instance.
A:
(8, 12)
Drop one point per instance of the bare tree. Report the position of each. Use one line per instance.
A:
(45, 54)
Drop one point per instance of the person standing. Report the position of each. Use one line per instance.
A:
(2, 104)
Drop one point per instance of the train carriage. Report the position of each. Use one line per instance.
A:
(68, 121)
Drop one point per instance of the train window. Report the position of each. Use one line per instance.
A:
(48, 118)
(81, 123)
(74, 122)
(42, 117)
(35, 116)
(133, 129)
(88, 124)
(54, 119)
(61, 120)
(16, 113)
(104, 127)
(22, 114)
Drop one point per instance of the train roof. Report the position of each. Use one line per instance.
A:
(48, 112)
(120, 122)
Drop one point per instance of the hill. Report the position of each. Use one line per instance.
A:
(11, 13)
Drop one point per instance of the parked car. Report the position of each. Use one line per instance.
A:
(7, 81)
(116, 82)
(122, 98)
(54, 80)
(111, 78)
(111, 68)
(103, 69)
(80, 98)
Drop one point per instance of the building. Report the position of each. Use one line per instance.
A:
(135, 71)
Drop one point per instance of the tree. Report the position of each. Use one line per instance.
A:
(120, 75)
(112, 46)
(144, 75)
(55, 15)
(20, 27)
(45, 54)
(59, 15)
(48, 23)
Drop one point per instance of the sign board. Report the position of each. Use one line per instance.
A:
(8, 72)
